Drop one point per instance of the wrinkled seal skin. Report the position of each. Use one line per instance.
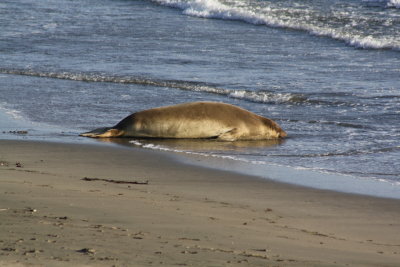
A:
(194, 120)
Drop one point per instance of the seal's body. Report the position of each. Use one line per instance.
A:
(194, 120)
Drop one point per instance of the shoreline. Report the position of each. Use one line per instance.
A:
(185, 215)
(296, 176)
(36, 132)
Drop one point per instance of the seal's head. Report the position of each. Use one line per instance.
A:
(103, 133)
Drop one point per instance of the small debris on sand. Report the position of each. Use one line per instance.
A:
(114, 181)
(29, 209)
(86, 251)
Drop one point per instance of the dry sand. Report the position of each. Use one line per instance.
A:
(183, 216)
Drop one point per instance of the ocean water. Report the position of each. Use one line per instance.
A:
(328, 71)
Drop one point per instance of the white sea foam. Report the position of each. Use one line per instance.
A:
(393, 3)
(388, 3)
(50, 26)
(311, 21)
(166, 149)
(266, 97)
(13, 113)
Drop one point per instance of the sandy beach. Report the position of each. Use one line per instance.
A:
(87, 205)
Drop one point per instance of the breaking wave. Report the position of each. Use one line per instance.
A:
(247, 95)
(341, 24)
(393, 3)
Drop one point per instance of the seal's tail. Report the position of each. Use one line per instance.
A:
(104, 132)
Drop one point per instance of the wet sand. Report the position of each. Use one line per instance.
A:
(86, 205)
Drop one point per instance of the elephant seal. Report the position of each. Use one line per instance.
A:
(194, 120)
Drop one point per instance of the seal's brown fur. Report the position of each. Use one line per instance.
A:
(194, 120)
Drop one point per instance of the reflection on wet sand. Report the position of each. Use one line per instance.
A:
(199, 145)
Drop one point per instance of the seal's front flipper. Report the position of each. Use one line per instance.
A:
(103, 132)
(231, 135)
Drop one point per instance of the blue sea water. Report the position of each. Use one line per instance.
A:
(328, 71)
